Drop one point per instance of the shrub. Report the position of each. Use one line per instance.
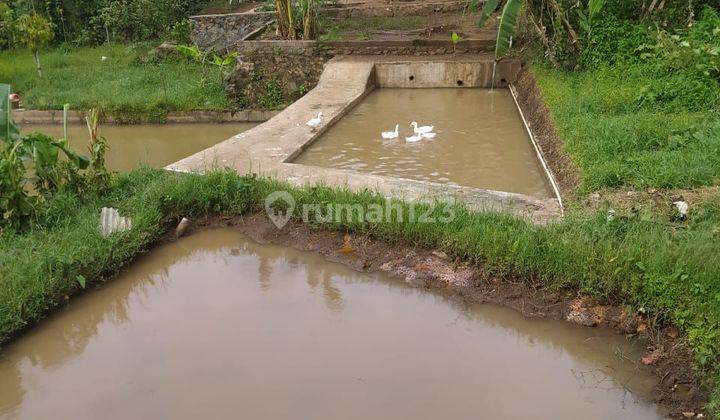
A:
(8, 29)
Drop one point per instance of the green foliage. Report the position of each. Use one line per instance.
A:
(587, 17)
(89, 22)
(455, 38)
(181, 31)
(694, 52)
(615, 40)
(32, 160)
(506, 27)
(488, 9)
(272, 97)
(97, 148)
(36, 32)
(191, 52)
(31, 169)
(8, 27)
(134, 20)
(224, 62)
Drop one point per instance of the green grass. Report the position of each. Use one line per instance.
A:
(629, 126)
(670, 270)
(121, 84)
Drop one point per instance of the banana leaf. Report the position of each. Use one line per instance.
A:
(507, 27)
(487, 10)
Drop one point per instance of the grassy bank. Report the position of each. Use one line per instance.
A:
(643, 114)
(668, 270)
(620, 139)
(123, 84)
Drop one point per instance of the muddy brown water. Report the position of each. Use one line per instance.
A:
(218, 326)
(481, 140)
(155, 145)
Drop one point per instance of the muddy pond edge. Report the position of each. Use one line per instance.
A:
(158, 200)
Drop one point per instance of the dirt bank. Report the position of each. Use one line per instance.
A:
(542, 125)
(678, 389)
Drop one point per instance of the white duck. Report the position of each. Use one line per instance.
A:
(315, 122)
(423, 129)
(428, 135)
(392, 134)
(413, 139)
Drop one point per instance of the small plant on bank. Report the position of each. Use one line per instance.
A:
(272, 98)
(224, 62)
(455, 38)
(97, 149)
(30, 163)
(194, 53)
(32, 171)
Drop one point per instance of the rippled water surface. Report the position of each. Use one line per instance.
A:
(218, 326)
(155, 145)
(481, 140)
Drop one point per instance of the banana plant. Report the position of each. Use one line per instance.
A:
(29, 160)
(194, 53)
(506, 27)
(543, 14)
(223, 62)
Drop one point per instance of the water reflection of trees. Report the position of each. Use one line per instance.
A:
(317, 272)
(67, 334)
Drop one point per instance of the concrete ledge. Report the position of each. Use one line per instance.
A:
(78, 117)
(269, 148)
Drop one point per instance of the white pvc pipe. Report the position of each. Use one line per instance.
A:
(545, 166)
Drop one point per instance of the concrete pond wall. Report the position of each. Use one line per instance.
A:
(269, 148)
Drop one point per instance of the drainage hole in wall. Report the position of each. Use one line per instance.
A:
(412, 78)
(460, 83)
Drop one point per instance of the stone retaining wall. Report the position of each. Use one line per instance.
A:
(223, 31)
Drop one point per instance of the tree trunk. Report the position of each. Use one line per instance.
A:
(280, 17)
(574, 39)
(292, 34)
(284, 18)
(37, 63)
